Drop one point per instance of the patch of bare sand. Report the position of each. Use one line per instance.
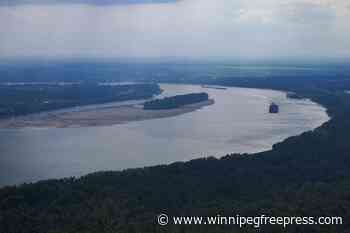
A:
(97, 117)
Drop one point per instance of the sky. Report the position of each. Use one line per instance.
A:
(197, 29)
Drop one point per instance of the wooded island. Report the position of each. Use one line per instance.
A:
(175, 101)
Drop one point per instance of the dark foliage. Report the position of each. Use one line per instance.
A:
(175, 101)
(18, 100)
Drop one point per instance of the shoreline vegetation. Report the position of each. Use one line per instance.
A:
(25, 99)
(176, 101)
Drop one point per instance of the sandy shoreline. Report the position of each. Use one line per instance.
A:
(99, 116)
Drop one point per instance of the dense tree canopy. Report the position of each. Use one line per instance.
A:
(175, 101)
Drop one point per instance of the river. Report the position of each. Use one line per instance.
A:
(238, 122)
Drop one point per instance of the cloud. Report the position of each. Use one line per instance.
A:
(89, 2)
(187, 28)
(255, 16)
(309, 12)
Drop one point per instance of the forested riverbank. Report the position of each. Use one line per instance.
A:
(18, 99)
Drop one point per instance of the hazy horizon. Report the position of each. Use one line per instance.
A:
(186, 29)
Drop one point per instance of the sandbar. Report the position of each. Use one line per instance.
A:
(99, 116)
